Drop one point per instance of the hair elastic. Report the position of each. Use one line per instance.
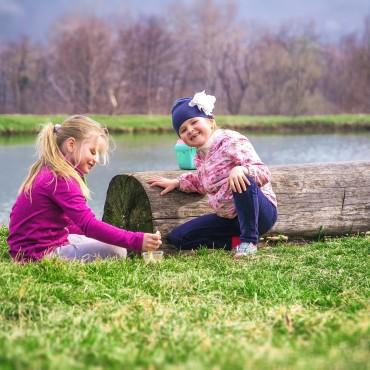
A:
(57, 127)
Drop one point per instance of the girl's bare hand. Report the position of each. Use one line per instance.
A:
(167, 184)
(151, 242)
(238, 181)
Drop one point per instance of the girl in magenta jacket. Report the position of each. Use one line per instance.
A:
(230, 172)
(50, 216)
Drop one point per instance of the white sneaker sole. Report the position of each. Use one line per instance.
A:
(245, 254)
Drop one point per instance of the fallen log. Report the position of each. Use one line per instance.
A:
(313, 199)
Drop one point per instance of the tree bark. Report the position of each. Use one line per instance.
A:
(313, 199)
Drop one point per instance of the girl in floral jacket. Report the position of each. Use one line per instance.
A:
(230, 172)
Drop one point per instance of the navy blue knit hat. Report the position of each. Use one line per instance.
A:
(201, 105)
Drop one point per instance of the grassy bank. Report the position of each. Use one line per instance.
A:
(289, 307)
(22, 124)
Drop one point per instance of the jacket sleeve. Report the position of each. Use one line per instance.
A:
(67, 195)
(242, 153)
(73, 228)
(190, 183)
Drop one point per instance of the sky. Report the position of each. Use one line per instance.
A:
(34, 18)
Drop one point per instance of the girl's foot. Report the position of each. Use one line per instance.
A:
(245, 249)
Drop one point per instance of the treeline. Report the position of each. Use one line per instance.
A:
(140, 65)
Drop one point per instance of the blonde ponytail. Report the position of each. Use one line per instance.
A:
(49, 143)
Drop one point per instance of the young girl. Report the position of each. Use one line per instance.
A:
(230, 172)
(50, 216)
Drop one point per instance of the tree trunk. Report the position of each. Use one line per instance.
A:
(313, 199)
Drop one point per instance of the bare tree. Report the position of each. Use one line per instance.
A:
(16, 74)
(234, 73)
(214, 51)
(82, 57)
(146, 59)
(287, 69)
(306, 66)
(347, 83)
(271, 72)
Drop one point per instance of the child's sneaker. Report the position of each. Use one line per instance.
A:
(245, 249)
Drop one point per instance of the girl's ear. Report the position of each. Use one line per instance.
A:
(70, 145)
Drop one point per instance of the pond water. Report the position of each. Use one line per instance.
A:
(144, 152)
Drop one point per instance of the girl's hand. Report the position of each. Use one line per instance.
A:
(238, 180)
(151, 242)
(167, 184)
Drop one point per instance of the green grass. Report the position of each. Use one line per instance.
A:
(11, 124)
(22, 124)
(289, 307)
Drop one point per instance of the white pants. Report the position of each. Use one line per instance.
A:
(86, 249)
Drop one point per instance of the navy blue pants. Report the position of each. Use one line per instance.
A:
(255, 216)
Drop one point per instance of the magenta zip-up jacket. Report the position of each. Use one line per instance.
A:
(228, 149)
(41, 223)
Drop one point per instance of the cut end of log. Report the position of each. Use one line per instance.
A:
(127, 205)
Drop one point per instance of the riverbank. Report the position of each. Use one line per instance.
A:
(289, 307)
(15, 124)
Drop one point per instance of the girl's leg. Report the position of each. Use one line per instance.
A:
(256, 213)
(86, 249)
(208, 230)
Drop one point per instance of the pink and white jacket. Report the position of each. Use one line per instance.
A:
(228, 149)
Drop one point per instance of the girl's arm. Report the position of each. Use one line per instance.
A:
(188, 183)
(73, 228)
(67, 195)
(164, 183)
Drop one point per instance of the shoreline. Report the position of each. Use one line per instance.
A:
(255, 129)
(16, 125)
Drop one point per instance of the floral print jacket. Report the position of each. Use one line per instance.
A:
(229, 149)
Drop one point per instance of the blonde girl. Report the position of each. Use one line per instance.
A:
(51, 217)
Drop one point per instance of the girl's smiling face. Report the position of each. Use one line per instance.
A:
(87, 154)
(196, 131)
